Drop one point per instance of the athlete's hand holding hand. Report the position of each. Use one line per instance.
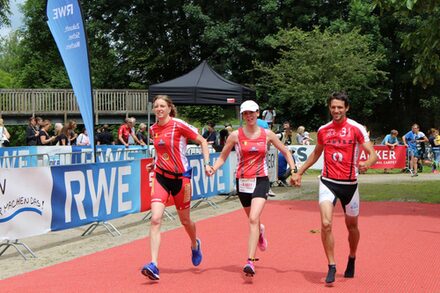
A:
(295, 179)
(209, 170)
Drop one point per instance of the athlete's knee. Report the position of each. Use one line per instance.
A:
(186, 222)
(254, 220)
(156, 220)
(351, 225)
(326, 225)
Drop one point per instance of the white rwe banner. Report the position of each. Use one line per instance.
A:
(25, 202)
(303, 152)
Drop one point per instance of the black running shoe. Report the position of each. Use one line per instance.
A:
(331, 274)
(349, 271)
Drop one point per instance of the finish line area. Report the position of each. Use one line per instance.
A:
(398, 252)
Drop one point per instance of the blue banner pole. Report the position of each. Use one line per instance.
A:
(65, 20)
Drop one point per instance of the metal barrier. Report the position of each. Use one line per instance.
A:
(70, 158)
(23, 161)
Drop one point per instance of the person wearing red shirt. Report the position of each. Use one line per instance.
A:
(125, 131)
(252, 180)
(340, 140)
(172, 177)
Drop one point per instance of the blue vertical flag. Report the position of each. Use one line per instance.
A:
(67, 27)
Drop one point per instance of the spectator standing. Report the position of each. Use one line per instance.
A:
(72, 133)
(434, 140)
(4, 134)
(125, 131)
(44, 138)
(287, 134)
(269, 116)
(63, 136)
(302, 136)
(83, 138)
(39, 121)
(105, 137)
(413, 140)
(141, 134)
(32, 132)
(210, 134)
(131, 140)
(391, 141)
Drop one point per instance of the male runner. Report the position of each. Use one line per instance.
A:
(340, 140)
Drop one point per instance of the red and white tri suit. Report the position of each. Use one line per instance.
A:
(342, 143)
(251, 174)
(172, 170)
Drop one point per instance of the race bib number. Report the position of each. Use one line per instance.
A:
(247, 185)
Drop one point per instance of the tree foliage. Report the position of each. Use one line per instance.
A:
(314, 64)
(136, 43)
(202, 114)
(5, 10)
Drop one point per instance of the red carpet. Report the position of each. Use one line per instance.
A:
(398, 252)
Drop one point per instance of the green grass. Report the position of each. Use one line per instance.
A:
(420, 191)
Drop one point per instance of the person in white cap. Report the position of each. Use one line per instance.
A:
(250, 142)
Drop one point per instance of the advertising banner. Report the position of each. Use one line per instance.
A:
(20, 157)
(386, 157)
(25, 209)
(67, 28)
(83, 194)
(146, 184)
(205, 186)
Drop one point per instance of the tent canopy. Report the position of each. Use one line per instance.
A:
(202, 86)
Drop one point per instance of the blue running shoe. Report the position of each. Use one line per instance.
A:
(197, 254)
(151, 271)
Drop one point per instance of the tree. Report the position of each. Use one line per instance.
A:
(5, 11)
(421, 37)
(314, 64)
(9, 59)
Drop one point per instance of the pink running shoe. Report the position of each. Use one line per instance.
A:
(249, 269)
(262, 242)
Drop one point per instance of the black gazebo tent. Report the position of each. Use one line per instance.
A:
(202, 86)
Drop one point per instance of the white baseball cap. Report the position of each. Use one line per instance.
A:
(249, 105)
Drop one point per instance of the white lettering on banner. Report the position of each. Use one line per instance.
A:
(102, 187)
(115, 155)
(123, 188)
(16, 158)
(69, 177)
(70, 28)
(381, 155)
(73, 45)
(74, 36)
(205, 179)
(96, 194)
(62, 11)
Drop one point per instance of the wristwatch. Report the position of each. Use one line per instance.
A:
(293, 171)
(206, 163)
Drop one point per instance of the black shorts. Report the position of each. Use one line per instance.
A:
(261, 190)
(347, 192)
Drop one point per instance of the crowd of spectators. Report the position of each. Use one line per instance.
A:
(39, 131)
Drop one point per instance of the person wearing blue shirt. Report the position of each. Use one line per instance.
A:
(412, 139)
(391, 141)
(262, 123)
(283, 170)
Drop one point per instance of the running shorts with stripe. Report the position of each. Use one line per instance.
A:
(346, 191)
